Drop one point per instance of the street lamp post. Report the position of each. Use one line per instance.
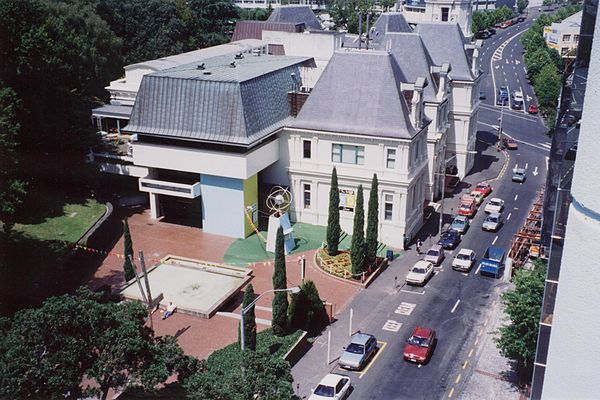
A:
(500, 128)
(244, 310)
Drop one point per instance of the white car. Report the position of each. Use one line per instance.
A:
(492, 222)
(495, 205)
(332, 386)
(420, 273)
(477, 196)
(464, 260)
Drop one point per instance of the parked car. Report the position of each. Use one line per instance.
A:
(356, 355)
(449, 239)
(492, 222)
(495, 205)
(482, 35)
(460, 224)
(477, 196)
(509, 143)
(467, 208)
(502, 96)
(464, 260)
(492, 262)
(420, 273)
(481, 95)
(521, 18)
(517, 100)
(435, 254)
(492, 31)
(533, 109)
(571, 154)
(420, 345)
(519, 175)
(484, 188)
(332, 386)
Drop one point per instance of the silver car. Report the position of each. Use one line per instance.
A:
(492, 222)
(519, 175)
(356, 355)
(435, 255)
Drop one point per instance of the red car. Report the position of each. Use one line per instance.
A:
(419, 346)
(533, 109)
(484, 188)
(509, 143)
(468, 208)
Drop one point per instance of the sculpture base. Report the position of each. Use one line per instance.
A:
(288, 233)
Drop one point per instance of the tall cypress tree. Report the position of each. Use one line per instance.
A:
(280, 300)
(249, 319)
(357, 249)
(333, 220)
(128, 250)
(372, 222)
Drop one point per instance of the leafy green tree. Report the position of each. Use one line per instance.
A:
(522, 5)
(502, 14)
(259, 375)
(46, 352)
(280, 300)
(128, 251)
(12, 189)
(372, 223)
(307, 311)
(249, 319)
(535, 61)
(333, 219)
(547, 85)
(517, 340)
(213, 21)
(357, 247)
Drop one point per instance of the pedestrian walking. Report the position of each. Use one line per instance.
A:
(419, 245)
(405, 241)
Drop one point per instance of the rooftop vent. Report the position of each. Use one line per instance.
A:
(206, 72)
(239, 56)
(232, 64)
(257, 52)
(200, 66)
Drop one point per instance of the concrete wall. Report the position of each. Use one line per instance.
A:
(223, 206)
(573, 354)
(231, 165)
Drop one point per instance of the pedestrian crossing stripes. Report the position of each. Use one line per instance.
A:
(405, 308)
(392, 326)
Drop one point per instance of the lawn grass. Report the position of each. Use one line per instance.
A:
(308, 237)
(75, 220)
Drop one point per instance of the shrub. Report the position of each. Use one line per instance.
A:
(306, 310)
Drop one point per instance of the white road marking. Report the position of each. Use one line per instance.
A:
(455, 305)
(509, 214)
(410, 291)
(405, 308)
(545, 145)
(526, 165)
(535, 171)
(547, 161)
(516, 197)
(494, 241)
(392, 326)
(477, 270)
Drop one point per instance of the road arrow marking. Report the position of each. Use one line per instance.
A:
(535, 172)
(529, 98)
(517, 62)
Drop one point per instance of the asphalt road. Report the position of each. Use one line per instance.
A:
(456, 305)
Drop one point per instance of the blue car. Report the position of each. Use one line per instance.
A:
(449, 240)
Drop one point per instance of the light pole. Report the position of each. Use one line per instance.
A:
(499, 146)
(244, 310)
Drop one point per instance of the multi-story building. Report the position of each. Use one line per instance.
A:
(449, 11)
(563, 329)
(564, 36)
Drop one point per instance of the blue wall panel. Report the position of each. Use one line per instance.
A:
(222, 206)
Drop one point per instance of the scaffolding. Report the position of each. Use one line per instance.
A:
(527, 241)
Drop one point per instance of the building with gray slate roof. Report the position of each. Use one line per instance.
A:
(296, 14)
(444, 11)
(205, 131)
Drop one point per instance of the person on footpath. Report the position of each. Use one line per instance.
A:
(419, 245)
(405, 241)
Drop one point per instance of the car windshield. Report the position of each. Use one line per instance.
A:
(433, 253)
(325, 391)
(481, 186)
(462, 257)
(495, 203)
(355, 348)
(465, 207)
(492, 219)
(418, 341)
(418, 270)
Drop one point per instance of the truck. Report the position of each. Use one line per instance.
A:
(492, 262)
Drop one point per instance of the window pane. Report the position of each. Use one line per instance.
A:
(360, 155)
(391, 158)
(306, 149)
(336, 153)
(349, 154)
(388, 211)
(306, 195)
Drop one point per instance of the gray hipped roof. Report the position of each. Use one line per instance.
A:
(296, 14)
(220, 103)
(359, 93)
(413, 59)
(390, 22)
(445, 43)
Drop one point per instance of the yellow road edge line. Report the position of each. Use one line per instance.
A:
(480, 332)
(457, 379)
(451, 393)
(486, 322)
(383, 344)
(476, 341)
(470, 352)
(465, 364)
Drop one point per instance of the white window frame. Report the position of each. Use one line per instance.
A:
(304, 142)
(306, 189)
(388, 199)
(338, 156)
(390, 151)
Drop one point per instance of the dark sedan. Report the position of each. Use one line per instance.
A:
(449, 240)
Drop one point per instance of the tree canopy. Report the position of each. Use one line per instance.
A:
(46, 352)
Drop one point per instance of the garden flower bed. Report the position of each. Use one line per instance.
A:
(339, 265)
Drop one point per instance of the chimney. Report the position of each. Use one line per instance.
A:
(444, 80)
(416, 106)
(296, 100)
(359, 31)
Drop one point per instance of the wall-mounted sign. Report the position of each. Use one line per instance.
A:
(347, 199)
